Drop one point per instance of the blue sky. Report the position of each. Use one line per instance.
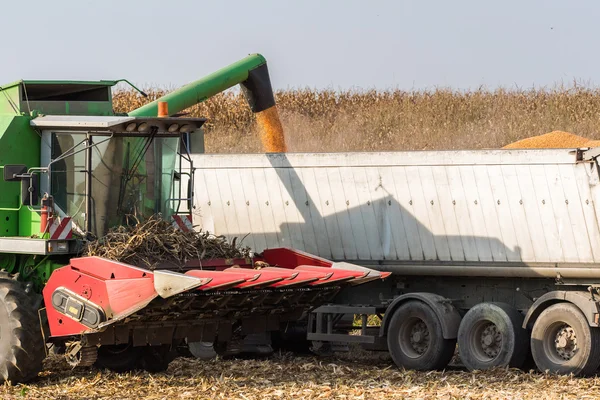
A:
(320, 44)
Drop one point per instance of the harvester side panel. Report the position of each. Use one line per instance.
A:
(19, 144)
(485, 207)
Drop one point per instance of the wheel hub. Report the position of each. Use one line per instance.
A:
(419, 337)
(491, 340)
(565, 342)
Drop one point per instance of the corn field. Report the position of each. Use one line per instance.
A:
(327, 120)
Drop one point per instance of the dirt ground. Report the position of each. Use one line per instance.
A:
(287, 376)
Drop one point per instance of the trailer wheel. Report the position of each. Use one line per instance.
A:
(562, 341)
(118, 358)
(21, 343)
(490, 335)
(415, 338)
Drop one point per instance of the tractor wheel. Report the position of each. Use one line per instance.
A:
(415, 338)
(118, 358)
(21, 343)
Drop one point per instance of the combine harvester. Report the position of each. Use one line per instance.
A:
(72, 169)
(496, 250)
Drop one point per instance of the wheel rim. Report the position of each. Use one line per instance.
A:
(485, 340)
(560, 342)
(414, 337)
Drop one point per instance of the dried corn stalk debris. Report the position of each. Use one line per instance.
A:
(155, 241)
(289, 376)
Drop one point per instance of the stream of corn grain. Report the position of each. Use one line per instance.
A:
(271, 130)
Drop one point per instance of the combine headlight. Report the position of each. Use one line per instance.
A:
(131, 127)
(143, 127)
(186, 128)
(173, 127)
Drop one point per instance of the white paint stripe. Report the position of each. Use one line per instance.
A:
(61, 229)
(188, 222)
(183, 222)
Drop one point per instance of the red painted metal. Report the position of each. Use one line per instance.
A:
(261, 279)
(219, 264)
(44, 219)
(118, 289)
(46, 213)
(250, 275)
(290, 258)
(268, 277)
(220, 279)
(108, 269)
(299, 277)
(337, 275)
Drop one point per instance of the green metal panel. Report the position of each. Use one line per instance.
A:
(72, 107)
(107, 83)
(9, 100)
(200, 90)
(19, 144)
(57, 97)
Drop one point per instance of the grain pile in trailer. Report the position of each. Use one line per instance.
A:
(553, 140)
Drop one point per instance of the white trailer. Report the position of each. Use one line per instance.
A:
(490, 247)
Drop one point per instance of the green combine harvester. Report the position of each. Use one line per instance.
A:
(72, 169)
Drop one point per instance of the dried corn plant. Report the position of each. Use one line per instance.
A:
(155, 241)
(327, 120)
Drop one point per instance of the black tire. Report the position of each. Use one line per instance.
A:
(118, 358)
(321, 349)
(202, 350)
(156, 358)
(491, 335)
(125, 358)
(415, 338)
(291, 337)
(529, 363)
(21, 343)
(562, 342)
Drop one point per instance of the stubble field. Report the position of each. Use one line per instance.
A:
(288, 376)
